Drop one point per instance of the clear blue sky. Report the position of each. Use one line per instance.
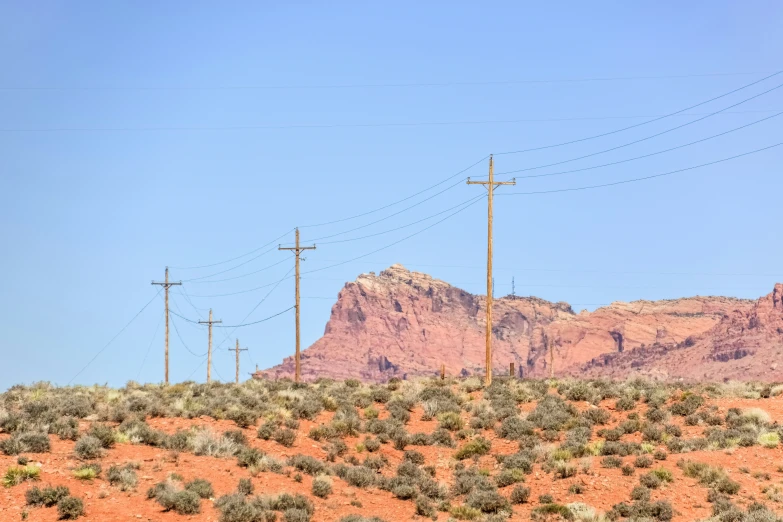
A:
(135, 141)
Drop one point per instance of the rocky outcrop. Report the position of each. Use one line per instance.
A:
(747, 343)
(403, 324)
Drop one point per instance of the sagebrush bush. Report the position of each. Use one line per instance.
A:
(46, 497)
(16, 475)
(284, 436)
(88, 447)
(124, 477)
(322, 486)
(70, 508)
(201, 487)
(520, 495)
(474, 448)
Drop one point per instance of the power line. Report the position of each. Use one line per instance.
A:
(183, 342)
(633, 180)
(240, 276)
(144, 361)
(197, 279)
(645, 138)
(372, 85)
(647, 155)
(401, 226)
(256, 322)
(113, 338)
(638, 124)
(399, 201)
(233, 258)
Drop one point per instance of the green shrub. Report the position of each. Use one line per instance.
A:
(611, 461)
(266, 430)
(507, 477)
(627, 470)
(424, 507)
(372, 444)
(643, 461)
(87, 471)
(187, 502)
(487, 500)
(650, 480)
(474, 448)
(450, 421)
(465, 513)
(550, 511)
(248, 457)
(70, 508)
(26, 442)
(16, 475)
(243, 418)
(359, 476)
(413, 456)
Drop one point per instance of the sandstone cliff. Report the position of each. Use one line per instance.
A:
(404, 324)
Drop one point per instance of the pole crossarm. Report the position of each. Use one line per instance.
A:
(297, 250)
(166, 284)
(490, 185)
(210, 322)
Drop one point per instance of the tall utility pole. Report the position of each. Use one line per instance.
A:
(238, 349)
(490, 186)
(209, 348)
(166, 284)
(513, 288)
(297, 250)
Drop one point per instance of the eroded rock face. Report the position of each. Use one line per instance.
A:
(746, 344)
(403, 324)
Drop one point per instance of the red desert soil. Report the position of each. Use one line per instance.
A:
(602, 488)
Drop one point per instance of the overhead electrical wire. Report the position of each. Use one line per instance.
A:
(239, 276)
(549, 174)
(643, 178)
(182, 341)
(197, 279)
(154, 335)
(641, 139)
(256, 322)
(369, 85)
(638, 124)
(115, 337)
(233, 258)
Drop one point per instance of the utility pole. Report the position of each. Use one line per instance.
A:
(238, 349)
(551, 360)
(490, 186)
(297, 250)
(513, 288)
(166, 284)
(209, 348)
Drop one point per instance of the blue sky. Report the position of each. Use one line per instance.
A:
(135, 135)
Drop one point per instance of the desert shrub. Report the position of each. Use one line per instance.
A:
(371, 444)
(507, 477)
(70, 508)
(359, 476)
(88, 447)
(709, 476)
(87, 471)
(284, 436)
(307, 464)
(47, 497)
(643, 461)
(627, 470)
(552, 413)
(359, 518)
(26, 442)
(236, 436)
(487, 500)
(521, 461)
(546, 499)
(245, 487)
(207, 443)
(650, 480)
(248, 457)
(659, 454)
(465, 513)
(424, 507)
(442, 437)
(551, 511)
(473, 448)
(322, 486)
(67, 428)
(769, 440)
(520, 495)
(466, 480)
(413, 456)
(611, 461)
(514, 427)
(123, 477)
(16, 475)
(652, 433)
(450, 421)
(242, 417)
(266, 430)
(625, 403)
(687, 406)
(105, 434)
(201, 487)
(180, 441)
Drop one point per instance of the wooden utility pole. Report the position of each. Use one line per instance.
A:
(209, 345)
(166, 284)
(490, 186)
(238, 349)
(297, 250)
(511, 369)
(551, 360)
